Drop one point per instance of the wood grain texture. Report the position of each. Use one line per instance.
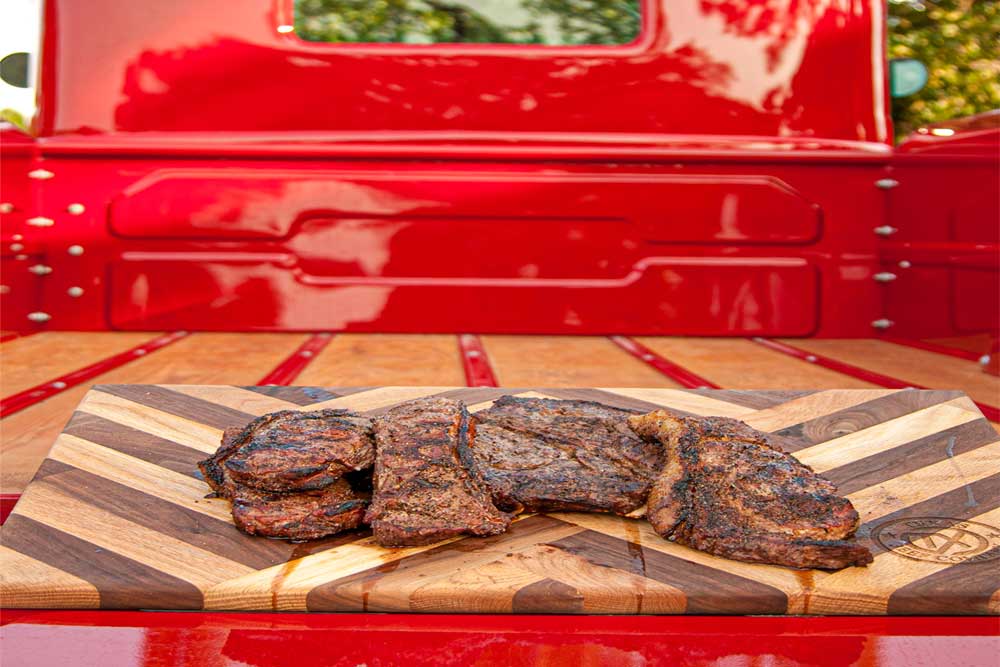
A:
(373, 359)
(117, 517)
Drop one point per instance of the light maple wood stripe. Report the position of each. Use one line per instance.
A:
(492, 587)
(867, 590)
(360, 360)
(810, 407)
(641, 533)
(698, 404)
(887, 435)
(933, 480)
(378, 398)
(285, 586)
(609, 590)
(237, 398)
(139, 475)
(38, 585)
(161, 424)
(47, 505)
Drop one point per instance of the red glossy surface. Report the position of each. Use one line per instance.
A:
(475, 362)
(21, 400)
(7, 502)
(266, 639)
(679, 374)
(728, 67)
(290, 368)
(21, 289)
(990, 412)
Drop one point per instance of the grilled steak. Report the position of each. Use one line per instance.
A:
(549, 455)
(304, 515)
(293, 451)
(726, 490)
(426, 488)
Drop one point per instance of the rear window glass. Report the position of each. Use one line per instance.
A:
(537, 22)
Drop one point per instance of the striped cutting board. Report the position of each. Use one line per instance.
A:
(116, 517)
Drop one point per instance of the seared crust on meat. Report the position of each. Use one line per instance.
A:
(426, 486)
(540, 454)
(305, 515)
(725, 489)
(292, 451)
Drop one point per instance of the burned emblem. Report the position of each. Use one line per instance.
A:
(939, 539)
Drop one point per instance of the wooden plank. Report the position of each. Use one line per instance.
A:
(741, 364)
(204, 358)
(567, 361)
(910, 365)
(386, 359)
(30, 361)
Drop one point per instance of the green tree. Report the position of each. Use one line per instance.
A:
(958, 42)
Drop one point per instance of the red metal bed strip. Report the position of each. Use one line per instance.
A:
(934, 347)
(990, 412)
(15, 335)
(290, 368)
(475, 361)
(7, 502)
(675, 372)
(29, 397)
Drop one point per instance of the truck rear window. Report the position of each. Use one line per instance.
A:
(534, 22)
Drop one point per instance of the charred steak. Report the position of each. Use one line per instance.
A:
(540, 454)
(294, 451)
(725, 490)
(426, 487)
(305, 515)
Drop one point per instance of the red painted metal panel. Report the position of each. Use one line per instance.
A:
(475, 362)
(290, 368)
(707, 68)
(16, 335)
(990, 412)
(265, 639)
(29, 397)
(675, 372)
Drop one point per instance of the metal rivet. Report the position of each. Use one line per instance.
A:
(985, 359)
(75, 291)
(882, 323)
(40, 174)
(811, 358)
(884, 277)
(39, 317)
(904, 264)
(75, 250)
(885, 230)
(17, 237)
(40, 222)
(16, 247)
(4, 289)
(6, 207)
(58, 385)
(40, 269)
(75, 209)
(886, 183)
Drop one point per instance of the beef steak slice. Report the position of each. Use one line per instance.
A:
(540, 454)
(304, 515)
(724, 489)
(426, 488)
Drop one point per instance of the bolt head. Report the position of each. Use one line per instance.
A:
(882, 323)
(40, 174)
(904, 264)
(983, 360)
(76, 208)
(40, 221)
(39, 316)
(20, 258)
(75, 250)
(6, 207)
(17, 237)
(886, 183)
(16, 247)
(75, 291)
(40, 269)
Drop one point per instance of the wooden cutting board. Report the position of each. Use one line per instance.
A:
(116, 517)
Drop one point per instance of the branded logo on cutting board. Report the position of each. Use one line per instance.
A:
(939, 539)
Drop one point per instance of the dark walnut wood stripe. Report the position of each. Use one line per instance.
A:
(967, 587)
(759, 400)
(708, 590)
(859, 417)
(146, 446)
(303, 395)
(178, 404)
(122, 582)
(872, 470)
(548, 596)
(194, 528)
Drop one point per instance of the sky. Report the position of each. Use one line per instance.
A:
(19, 31)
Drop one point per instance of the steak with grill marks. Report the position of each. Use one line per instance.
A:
(549, 455)
(304, 515)
(293, 451)
(724, 489)
(426, 486)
